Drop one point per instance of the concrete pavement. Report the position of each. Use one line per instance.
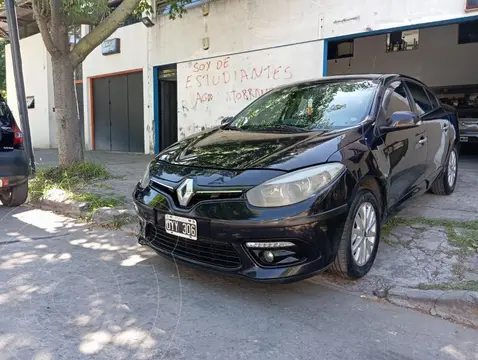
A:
(462, 205)
(72, 292)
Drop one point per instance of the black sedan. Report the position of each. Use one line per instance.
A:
(300, 180)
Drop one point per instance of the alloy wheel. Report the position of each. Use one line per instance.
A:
(452, 168)
(364, 233)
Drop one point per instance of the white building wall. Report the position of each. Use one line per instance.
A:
(353, 17)
(37, 75)
(133, 56)
(439, 59)
(234, 26)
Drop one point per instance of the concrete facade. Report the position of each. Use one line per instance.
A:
(438, 61)
(252, 46)
(38, 83)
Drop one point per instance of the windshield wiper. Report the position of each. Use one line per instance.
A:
(281, 127)
(232, 127)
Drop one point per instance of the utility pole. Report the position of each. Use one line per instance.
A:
(14, 37)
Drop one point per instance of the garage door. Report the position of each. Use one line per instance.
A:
(118, 113)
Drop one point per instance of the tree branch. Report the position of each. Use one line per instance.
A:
(42, 22)
(100, 33)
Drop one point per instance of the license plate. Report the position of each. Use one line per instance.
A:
(180, 226)
(464, 138)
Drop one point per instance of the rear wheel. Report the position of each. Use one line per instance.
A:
(445, 184)
(15, 196)
(359, 239)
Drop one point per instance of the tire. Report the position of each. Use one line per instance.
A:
(15, 196)
(345, 264)
(441, 185)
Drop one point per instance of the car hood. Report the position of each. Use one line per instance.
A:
(239, 150)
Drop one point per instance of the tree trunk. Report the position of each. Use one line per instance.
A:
(70, 144)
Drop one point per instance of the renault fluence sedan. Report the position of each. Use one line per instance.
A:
(300, 180)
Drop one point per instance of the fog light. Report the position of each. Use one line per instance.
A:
(268, 256)
(268, 245)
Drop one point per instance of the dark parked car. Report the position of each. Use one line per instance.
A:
(14, 168)
(468, 120)
(300, 180)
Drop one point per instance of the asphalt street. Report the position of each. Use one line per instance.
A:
(72, 292)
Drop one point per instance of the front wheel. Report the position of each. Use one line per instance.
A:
(445, 184)
(15, 196)
(359, 239)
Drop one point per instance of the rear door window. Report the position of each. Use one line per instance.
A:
(433, 99)
(420, 98)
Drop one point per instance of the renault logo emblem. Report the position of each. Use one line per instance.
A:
(185, 192)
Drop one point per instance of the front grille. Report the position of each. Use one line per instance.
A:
(197, 197)
(205, 251)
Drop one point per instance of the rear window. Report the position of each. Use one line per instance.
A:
(5, 117)
(7, 137)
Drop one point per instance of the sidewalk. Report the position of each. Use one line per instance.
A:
(127, 170)
(427, 258)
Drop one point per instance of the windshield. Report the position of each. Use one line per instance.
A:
(321, 106)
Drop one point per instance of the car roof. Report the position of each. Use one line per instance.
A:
(378, 77)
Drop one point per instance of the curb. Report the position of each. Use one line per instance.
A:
(105, 217)
(57, 200)
(68, 208)
(460, 306)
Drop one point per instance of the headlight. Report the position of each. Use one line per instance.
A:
(294, 187)
(145, 180)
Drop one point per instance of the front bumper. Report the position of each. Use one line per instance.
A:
(221, 244)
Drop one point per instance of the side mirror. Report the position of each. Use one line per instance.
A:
(226, 120)
(402, 120)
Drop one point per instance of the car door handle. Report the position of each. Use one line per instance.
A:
(422, 141)
(445, 127)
